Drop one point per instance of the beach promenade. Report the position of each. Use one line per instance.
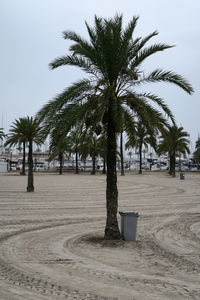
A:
(52, 247)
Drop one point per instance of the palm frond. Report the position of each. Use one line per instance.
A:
(144, 53)
(75, 93)
(160, 102)
(73, 36)
(151, 117)
(171, 77)
(136, 47)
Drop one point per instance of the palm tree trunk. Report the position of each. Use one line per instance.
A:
(30, 186)
(170, 164)
(111, 229)
(121, 154)
(84, 164)
(140, 153)
(179, 163)
(24, 159)
(93, 164)
(76, 157)
(173, 165)
(104, 165)
(61, 163)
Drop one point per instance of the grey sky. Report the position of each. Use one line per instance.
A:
(31, 37)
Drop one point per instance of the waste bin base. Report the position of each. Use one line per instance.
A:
(129, 225)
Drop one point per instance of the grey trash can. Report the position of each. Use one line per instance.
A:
(182, 176)
(129, 221)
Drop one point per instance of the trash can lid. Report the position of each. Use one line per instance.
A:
(128, 213)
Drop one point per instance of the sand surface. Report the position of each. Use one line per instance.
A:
(51, 244)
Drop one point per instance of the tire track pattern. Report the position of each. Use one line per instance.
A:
(44, 287)
(166, 254)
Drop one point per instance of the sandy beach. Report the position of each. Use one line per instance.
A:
(52, 247)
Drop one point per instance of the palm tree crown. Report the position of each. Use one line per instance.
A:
(175, 140)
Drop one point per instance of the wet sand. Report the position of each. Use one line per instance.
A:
(52, 247)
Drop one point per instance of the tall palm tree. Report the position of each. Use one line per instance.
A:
(174, 141)
(26, 130)
(112, 58)
(139, 139)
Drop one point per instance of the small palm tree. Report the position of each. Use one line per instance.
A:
(196, 154)
(139, 139)
(58, 146)
(74, 139)
(17, 137)
(92, 147)
(174, 141)
(26, 130)
(112, 57)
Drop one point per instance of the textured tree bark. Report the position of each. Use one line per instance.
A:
(140, 153)
(111, 229)
(30, 186)
(61, 163)
(76, 158)
(121, 154)
(104, 165)
(93, 164)
(173, 165)
(24, 159)
(170, 164)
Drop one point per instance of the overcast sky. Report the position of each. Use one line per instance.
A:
(31, 37)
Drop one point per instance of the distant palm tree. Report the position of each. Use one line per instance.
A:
(174, 141)
(139, 139)
(26, 130)
(59, 145)
(112, 57)
(17, 137)
(196, 154)
(75, 145)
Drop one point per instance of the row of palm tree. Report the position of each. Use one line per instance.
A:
(82, 144)
(107, 102)
(174, 141)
